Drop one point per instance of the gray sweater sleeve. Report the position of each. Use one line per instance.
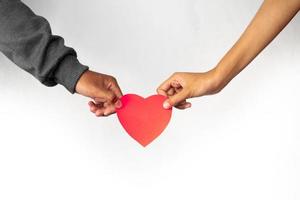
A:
(26, 39)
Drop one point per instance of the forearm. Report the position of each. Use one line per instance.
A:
(26, 39)
(270, 19)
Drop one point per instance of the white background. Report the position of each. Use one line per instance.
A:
(243, 143)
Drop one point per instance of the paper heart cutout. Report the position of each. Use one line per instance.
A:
(144, 119)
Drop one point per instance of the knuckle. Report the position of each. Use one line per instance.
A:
(113, 79)
(110, 79)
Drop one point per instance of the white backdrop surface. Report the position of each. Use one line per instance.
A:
(243, 143)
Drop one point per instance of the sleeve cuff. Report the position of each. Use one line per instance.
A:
(69, 72)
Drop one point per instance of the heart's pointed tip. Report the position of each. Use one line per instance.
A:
(144, 144)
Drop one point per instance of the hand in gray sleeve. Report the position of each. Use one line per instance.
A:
(26, 39)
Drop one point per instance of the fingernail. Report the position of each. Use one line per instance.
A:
(118, 104)
(188, 106)
(166, 105)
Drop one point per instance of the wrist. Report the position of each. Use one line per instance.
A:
(217, 80)
(82, 81)
(69, 72)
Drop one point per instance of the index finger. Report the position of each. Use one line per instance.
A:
(164, 87)
(115, 88)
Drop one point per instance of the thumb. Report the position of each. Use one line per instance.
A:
(175, 99)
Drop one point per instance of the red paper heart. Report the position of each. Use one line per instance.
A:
(143, 119)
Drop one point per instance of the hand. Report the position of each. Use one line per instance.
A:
(182, 85)
(103, 89)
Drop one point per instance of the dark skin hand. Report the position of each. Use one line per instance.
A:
(103, 89)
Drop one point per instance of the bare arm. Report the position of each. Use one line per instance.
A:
(270, 19)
